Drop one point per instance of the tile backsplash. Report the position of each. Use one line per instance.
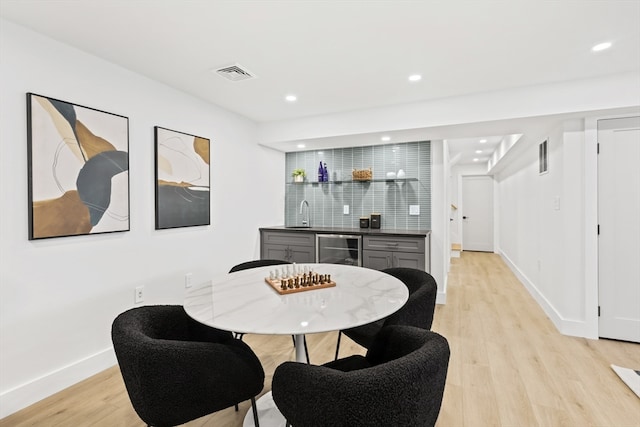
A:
(390, 198)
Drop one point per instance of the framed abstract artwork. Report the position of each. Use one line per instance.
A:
(182, 179)
(78, 169)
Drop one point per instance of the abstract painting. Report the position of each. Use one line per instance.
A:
(78, 169)
(182, 179)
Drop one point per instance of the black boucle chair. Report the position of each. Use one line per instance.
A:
(257, 263)
(263, 263)
(400, 382)
(418, 311)
(176, 369)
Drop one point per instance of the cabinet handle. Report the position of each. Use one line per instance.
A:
(395, 261)
(389, 264)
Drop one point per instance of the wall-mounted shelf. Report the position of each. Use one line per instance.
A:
(350, 181)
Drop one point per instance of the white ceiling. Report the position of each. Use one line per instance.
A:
(338, 56)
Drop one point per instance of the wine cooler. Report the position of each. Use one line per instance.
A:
(339, 249)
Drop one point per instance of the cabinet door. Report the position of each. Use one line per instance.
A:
(275, 252)
(302, 254)
(288, 246)
(408, 260)
(376, 260)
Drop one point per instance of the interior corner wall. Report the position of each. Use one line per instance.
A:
(59, 296)
(440, 218)
(541, 223)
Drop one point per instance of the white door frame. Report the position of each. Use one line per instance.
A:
(613, 323)
(591, 222)
(460, 207)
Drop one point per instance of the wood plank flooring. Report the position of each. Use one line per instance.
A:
(509, 366)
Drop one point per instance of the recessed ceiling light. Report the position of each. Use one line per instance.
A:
(301, 145)
(482, 141)
(415, 78)
(478, 151)
(291, 98)
(385, 138)
(601, 46)
(476, 159)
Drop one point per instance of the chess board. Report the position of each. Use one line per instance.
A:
(302, 284)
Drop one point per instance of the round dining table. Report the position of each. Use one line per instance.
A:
(243, 302)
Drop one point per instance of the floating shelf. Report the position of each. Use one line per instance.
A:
(354, 181)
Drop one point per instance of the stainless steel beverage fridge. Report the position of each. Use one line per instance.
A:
(339, 249)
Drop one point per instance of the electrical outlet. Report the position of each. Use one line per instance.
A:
(139, 295)
(345, 209)
(187, 280)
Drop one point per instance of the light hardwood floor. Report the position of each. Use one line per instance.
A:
(509, 366)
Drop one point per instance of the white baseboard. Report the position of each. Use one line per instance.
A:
(441, 296)
(575, 328)
(29, 393)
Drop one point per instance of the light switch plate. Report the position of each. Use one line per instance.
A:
(414, 209)
(139, 295)
(345, 209)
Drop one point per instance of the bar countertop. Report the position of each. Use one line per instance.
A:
(356, 231)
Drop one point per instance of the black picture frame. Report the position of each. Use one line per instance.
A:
(78, 169)
(182, 179)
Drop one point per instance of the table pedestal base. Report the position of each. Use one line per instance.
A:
(268, 414)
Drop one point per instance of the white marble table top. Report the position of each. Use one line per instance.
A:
(243, 302)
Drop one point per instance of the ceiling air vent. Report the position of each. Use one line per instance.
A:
(235, 73)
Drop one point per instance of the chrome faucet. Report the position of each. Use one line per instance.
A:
(306, 221)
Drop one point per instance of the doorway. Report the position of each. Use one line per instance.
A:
(619, 228)
(477, 213)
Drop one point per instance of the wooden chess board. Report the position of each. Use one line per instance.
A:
(276, 284)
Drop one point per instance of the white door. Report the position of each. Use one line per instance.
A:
(619, 224)
(477, 213)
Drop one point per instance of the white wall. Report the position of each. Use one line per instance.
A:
(440, 244)
(542, 226)
(59, 296)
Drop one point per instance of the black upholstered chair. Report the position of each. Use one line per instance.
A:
(176, 369)
(257, 263)
(400, 382)
(418, 311)
(263, 263)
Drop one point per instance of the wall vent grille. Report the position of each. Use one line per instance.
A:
(235, 73)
